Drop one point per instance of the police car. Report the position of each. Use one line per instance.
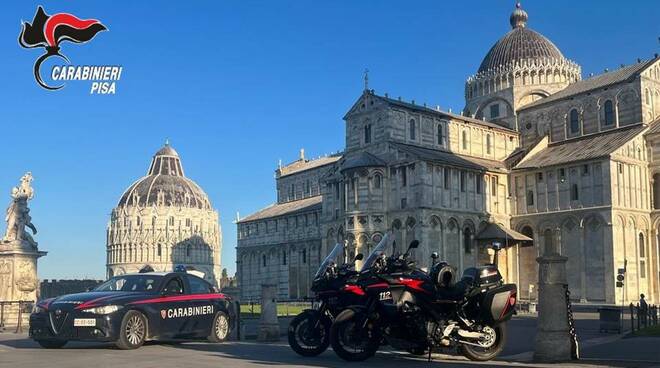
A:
(130, 309)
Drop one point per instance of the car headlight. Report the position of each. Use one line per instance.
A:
(106, 309)
(39, 309)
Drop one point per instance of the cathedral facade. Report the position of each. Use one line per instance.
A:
(163, 220)
(569, 162)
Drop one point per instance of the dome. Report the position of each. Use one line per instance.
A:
(521, 43)
(165, 185)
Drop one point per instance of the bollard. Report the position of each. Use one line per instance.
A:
(553, 338)
(237, 307)
(19, 324)
(632, 317)
(269, 328)
(2, 316)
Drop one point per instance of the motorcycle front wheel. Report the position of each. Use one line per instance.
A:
(309, 333)
(350, 340)
(491, 345)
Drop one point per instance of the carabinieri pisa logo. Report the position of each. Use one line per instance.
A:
(49, 31)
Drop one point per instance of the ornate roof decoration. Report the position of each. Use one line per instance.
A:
(165, 185)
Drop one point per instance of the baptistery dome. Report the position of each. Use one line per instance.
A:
(165, 185)
(164, 220)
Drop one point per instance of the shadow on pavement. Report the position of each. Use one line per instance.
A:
(279, 354)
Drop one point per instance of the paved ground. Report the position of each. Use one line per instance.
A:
(19, 351)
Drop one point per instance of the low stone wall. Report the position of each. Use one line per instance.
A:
(53, 288)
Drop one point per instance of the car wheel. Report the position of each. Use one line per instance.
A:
(220, 327)
(133, 331)
(51, 344)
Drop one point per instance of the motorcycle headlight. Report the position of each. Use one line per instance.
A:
(106, 309)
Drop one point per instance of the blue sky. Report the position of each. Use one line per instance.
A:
(237, 85)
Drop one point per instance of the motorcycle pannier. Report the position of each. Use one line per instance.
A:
(499, 303)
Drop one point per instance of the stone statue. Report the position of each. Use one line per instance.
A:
(18, 213)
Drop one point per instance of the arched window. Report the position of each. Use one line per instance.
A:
(439, 135)
(488, 144)
(304, 256)
(411, 130)
(263, 260)
(465, 140)
(284, 258)
(648, 96)
(159, 250)
(377, 181)
(608, 110)
(574, 122)
(467, 240)
(367, 134)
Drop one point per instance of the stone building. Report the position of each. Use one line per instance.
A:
(569, 162)
(162, 220)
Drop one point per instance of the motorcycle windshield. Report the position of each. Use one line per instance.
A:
(383, 246)
(329, 260)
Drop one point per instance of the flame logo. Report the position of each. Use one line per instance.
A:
(48, 31)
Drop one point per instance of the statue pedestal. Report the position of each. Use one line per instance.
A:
(18, 271)
(269, 328)
(553, 340)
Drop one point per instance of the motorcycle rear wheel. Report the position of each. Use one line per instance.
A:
(350, 341)
(484, 354)
(308, 338)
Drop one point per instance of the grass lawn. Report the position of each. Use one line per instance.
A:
(282, 309)
(649, 331)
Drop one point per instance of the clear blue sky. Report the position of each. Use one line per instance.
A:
(238, 85)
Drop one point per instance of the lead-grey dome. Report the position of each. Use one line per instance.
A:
(521, 43)
(165, 185)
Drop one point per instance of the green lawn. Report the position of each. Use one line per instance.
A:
(648, 331)
(282, 309)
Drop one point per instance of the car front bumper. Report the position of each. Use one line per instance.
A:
(48, 326)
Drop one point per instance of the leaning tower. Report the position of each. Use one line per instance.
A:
(162, 220)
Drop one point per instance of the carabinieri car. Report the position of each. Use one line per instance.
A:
(130, 309)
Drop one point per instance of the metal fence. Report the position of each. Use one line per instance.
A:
(643, 317)
(285, 308)
(24, 308)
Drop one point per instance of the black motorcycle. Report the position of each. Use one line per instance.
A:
(417, 311)
(332, 285)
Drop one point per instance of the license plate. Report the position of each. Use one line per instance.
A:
(84, 322)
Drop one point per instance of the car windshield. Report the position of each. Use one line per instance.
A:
(330, 259)
(130, 283)
(383, 246)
